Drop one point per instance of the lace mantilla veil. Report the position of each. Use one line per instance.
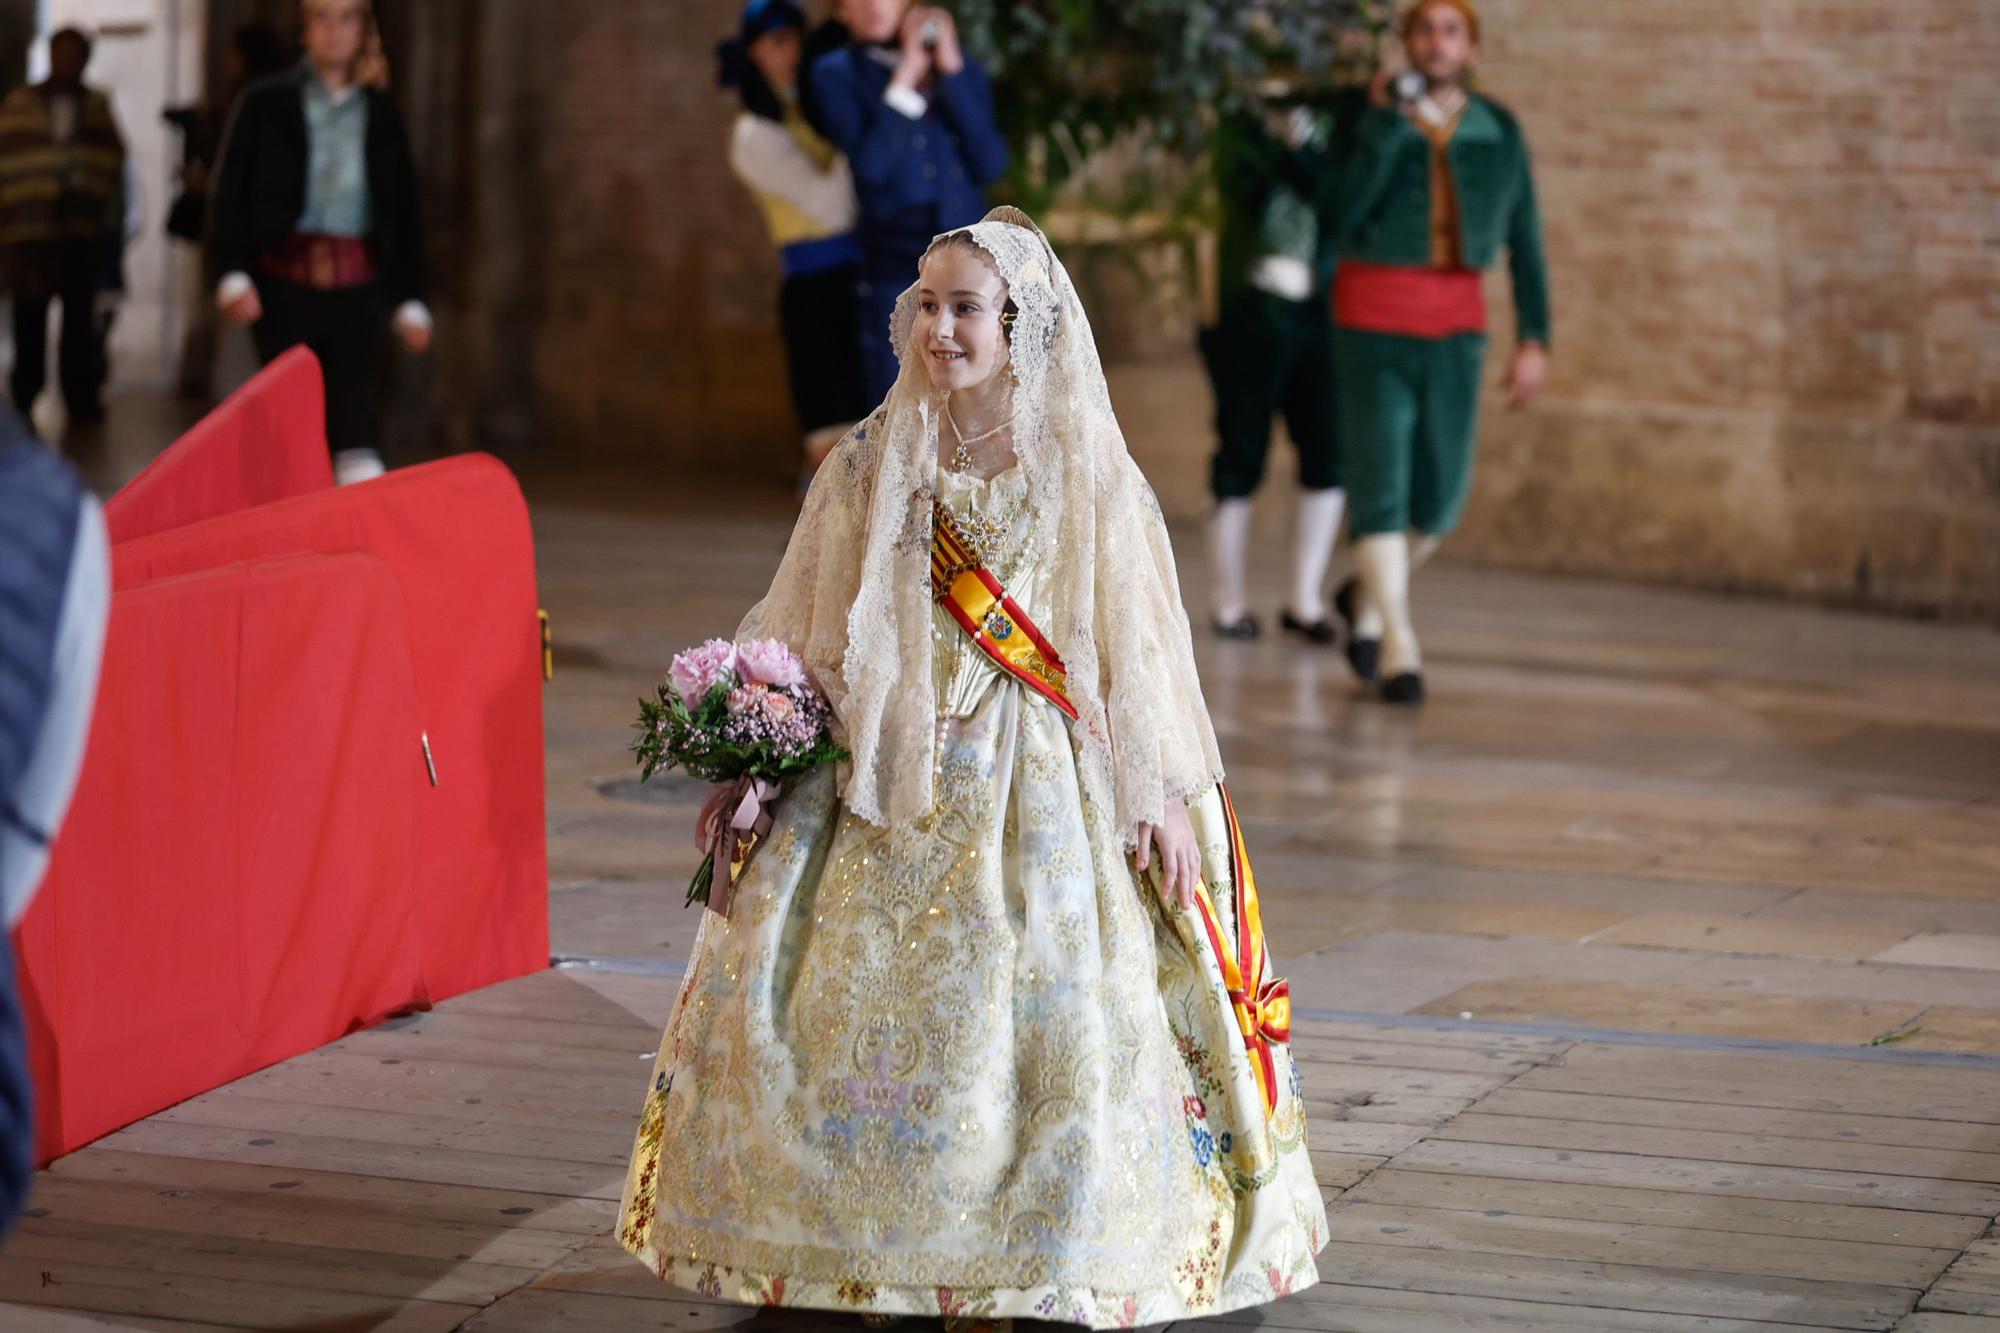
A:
(852, 595)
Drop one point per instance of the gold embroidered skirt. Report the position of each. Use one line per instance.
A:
(970, 1068)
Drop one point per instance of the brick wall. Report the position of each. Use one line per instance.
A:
(1775, 238)
(658, 329)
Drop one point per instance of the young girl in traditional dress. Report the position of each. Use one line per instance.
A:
(988, 1032)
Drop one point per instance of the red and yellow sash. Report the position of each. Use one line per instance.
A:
(994, 621)
(1263, 1005)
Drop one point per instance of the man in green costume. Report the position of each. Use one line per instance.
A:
(1434, 181)
(1271, 354)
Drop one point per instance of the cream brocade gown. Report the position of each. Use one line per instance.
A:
(973, 1068)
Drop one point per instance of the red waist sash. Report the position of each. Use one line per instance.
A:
(1415, 302)
(324, 263)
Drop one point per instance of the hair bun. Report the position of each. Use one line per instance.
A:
(1014, 217)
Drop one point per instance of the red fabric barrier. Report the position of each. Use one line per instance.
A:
(256, 860)
(455, 533)
(266, 443)
(236, 879)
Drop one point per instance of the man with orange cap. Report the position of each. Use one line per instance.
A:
(1434, 182)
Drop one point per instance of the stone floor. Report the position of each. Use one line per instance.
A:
(1648, 978)
(1624, 808)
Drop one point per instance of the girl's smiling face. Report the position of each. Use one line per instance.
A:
(960, 298)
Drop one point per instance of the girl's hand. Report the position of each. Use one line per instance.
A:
(1173, 845)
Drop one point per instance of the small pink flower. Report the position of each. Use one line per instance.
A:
(745, 698)
(778, 707)
(698, 670)
(770, 662)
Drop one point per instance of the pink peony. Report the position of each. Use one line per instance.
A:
(698, 670)
(770, 662)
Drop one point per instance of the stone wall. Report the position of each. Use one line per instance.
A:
(1775, 234)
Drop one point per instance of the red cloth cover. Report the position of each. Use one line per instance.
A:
(234, 883)
(267, 442)
(256, 860)
(456, 534)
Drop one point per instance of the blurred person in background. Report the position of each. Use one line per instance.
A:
(316, 229)
(1435, 181)
(1271, 353)
(62, 193)
(254, 52)
(827, 36)
(914, 115)
(112, 287)
(55, 590)
(806, 193)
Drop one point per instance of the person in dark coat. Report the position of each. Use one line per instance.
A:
(316, 230)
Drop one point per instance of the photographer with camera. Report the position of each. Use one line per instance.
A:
(914, 115)
(1434, 182)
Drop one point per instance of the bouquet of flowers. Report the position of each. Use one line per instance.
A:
(742, 715)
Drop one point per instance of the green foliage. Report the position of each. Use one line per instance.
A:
(1071, 76)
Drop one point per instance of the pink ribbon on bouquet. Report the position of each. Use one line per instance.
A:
(733, 811)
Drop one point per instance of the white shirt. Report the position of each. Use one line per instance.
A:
(766, 157)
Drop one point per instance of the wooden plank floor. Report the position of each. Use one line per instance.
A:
(1529, 930)
(460, 1169)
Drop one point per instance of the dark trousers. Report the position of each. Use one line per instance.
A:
(890, 267)
(73, 282)
(824, 368)
(345, 329)
(1266, 357)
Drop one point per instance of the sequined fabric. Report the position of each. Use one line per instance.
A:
(969, 1066)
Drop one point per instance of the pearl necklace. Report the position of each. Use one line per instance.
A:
(961, 458)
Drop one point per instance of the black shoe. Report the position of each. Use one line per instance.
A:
(1364, 655)
(1405, 687)
(1319, 631)
(1244, 628)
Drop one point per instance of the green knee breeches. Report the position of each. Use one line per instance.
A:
(1409, 419)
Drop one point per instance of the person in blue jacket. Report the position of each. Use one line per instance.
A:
(914, 116)
(55, 594)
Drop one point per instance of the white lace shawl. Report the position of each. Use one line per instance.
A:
(852, 595)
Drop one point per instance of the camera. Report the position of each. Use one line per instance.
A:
(1409, 86)
(933, 31)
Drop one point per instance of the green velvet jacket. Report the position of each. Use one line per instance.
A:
(1272, 199)
(1380, 198)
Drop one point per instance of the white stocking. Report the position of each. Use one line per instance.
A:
(1367, 619)
(1229, 545)
(1385, 578)
(1319, 527)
